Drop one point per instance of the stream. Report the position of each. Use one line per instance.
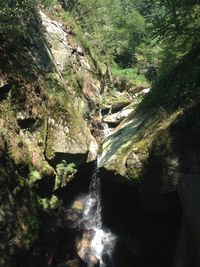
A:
(103, 240)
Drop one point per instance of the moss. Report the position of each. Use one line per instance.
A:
(9, 130)
(136, 159)
(133, 174)
(139, 140)
(162, 144)
(46, 169)
(112, 99)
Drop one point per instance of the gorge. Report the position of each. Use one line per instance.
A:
(99, 166)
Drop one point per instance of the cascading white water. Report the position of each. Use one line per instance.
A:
(103, 241)
(94, 193)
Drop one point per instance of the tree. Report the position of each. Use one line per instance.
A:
(173, 20)
(114, 27)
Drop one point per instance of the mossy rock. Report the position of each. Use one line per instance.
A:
(140, 141)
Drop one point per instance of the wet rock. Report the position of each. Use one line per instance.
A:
(93, 150)
(133, 165)
(84, 249)
(70, 263)
(119, 106)
(78, 205)
(143, 92)
(80, 50)
(118, 117)
(91, 90)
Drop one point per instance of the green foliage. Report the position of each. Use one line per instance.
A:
(15, 15)
(65, 173)
(174, 25)
(34, 175)
(69, 20)
(134, 26)
(48, 3)
(33, 226)
(174, 21)
(110, 30)
(131, 75)
(63, 166)
(178, 85)
(48, 203)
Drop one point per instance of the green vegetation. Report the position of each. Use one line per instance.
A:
(130, 75)
(112, 31)
(33, 224)
(111, 35)
(34, 175)
(48, 203)
(132, 44)
(177, 86)
(15, 16)
(65, 173)
(136, 37)
(143, 43)
(131, 36)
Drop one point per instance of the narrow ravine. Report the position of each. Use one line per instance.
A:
(99, 133)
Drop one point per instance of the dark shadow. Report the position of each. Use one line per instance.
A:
(78, 185)
(4, 90)
(77, 159)
(145, 237)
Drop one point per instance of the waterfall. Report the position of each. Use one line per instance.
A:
(95, 195)
(103, 241)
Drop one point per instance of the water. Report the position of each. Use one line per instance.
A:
(106, 130)
(103, 241)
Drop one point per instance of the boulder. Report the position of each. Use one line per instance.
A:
(84, 249)
(118, 117)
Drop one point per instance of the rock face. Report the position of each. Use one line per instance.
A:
(45, 106)
(158, 153)
(152, 149)
(42, 133)
(120, 141)
(67, 137)
(118, 117)
(71, 60)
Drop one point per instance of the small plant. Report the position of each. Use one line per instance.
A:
(33, 226)
(34, 175)
(65, 173)
(49, 203)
